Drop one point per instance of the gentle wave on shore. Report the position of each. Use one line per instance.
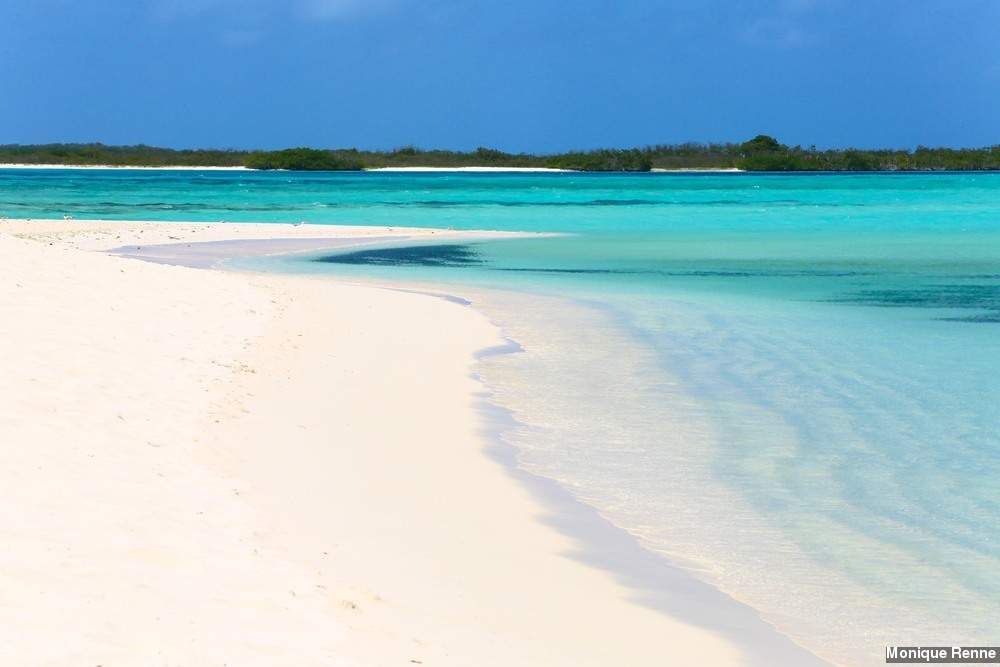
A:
(807, 454)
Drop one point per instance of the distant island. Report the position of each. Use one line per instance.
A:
(762, 153)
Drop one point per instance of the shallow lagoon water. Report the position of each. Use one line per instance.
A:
(787, 383)
(820, 443)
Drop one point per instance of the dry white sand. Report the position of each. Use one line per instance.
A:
(10, 165)
(210, 468)
(697, 170)
(14, 165)
(389, 169)
(472, 169)
(106, 234)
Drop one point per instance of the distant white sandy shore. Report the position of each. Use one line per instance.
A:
(185, 168)
(219, 467)
(697, 170)
(374, 169)
(11, 165)
(474, 169)
(546, 169)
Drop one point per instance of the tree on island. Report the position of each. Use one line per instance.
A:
(761, 143)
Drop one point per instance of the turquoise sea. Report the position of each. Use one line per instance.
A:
(789, 384)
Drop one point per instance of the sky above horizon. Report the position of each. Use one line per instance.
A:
(520, 75)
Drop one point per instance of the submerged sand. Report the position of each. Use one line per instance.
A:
(207, 468)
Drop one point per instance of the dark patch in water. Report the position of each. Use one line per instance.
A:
(425, 255)
(458, 255)
(934, 296)
(955, 297)
(695, 273)
(770, 273)
(447, 203)
(544, 270)
(988, 318)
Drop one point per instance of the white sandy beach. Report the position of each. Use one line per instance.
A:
(471, 169)
(658, 170)
(208, 468)
(697, 170)
(13, 165)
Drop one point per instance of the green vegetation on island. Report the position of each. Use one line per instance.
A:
(118, 156)
(302, 159)
(762, 153)
(635, 159)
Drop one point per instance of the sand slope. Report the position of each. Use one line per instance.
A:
(205, 468)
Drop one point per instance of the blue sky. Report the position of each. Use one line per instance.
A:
(533, 75)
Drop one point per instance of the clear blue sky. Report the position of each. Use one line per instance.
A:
(535, 75)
